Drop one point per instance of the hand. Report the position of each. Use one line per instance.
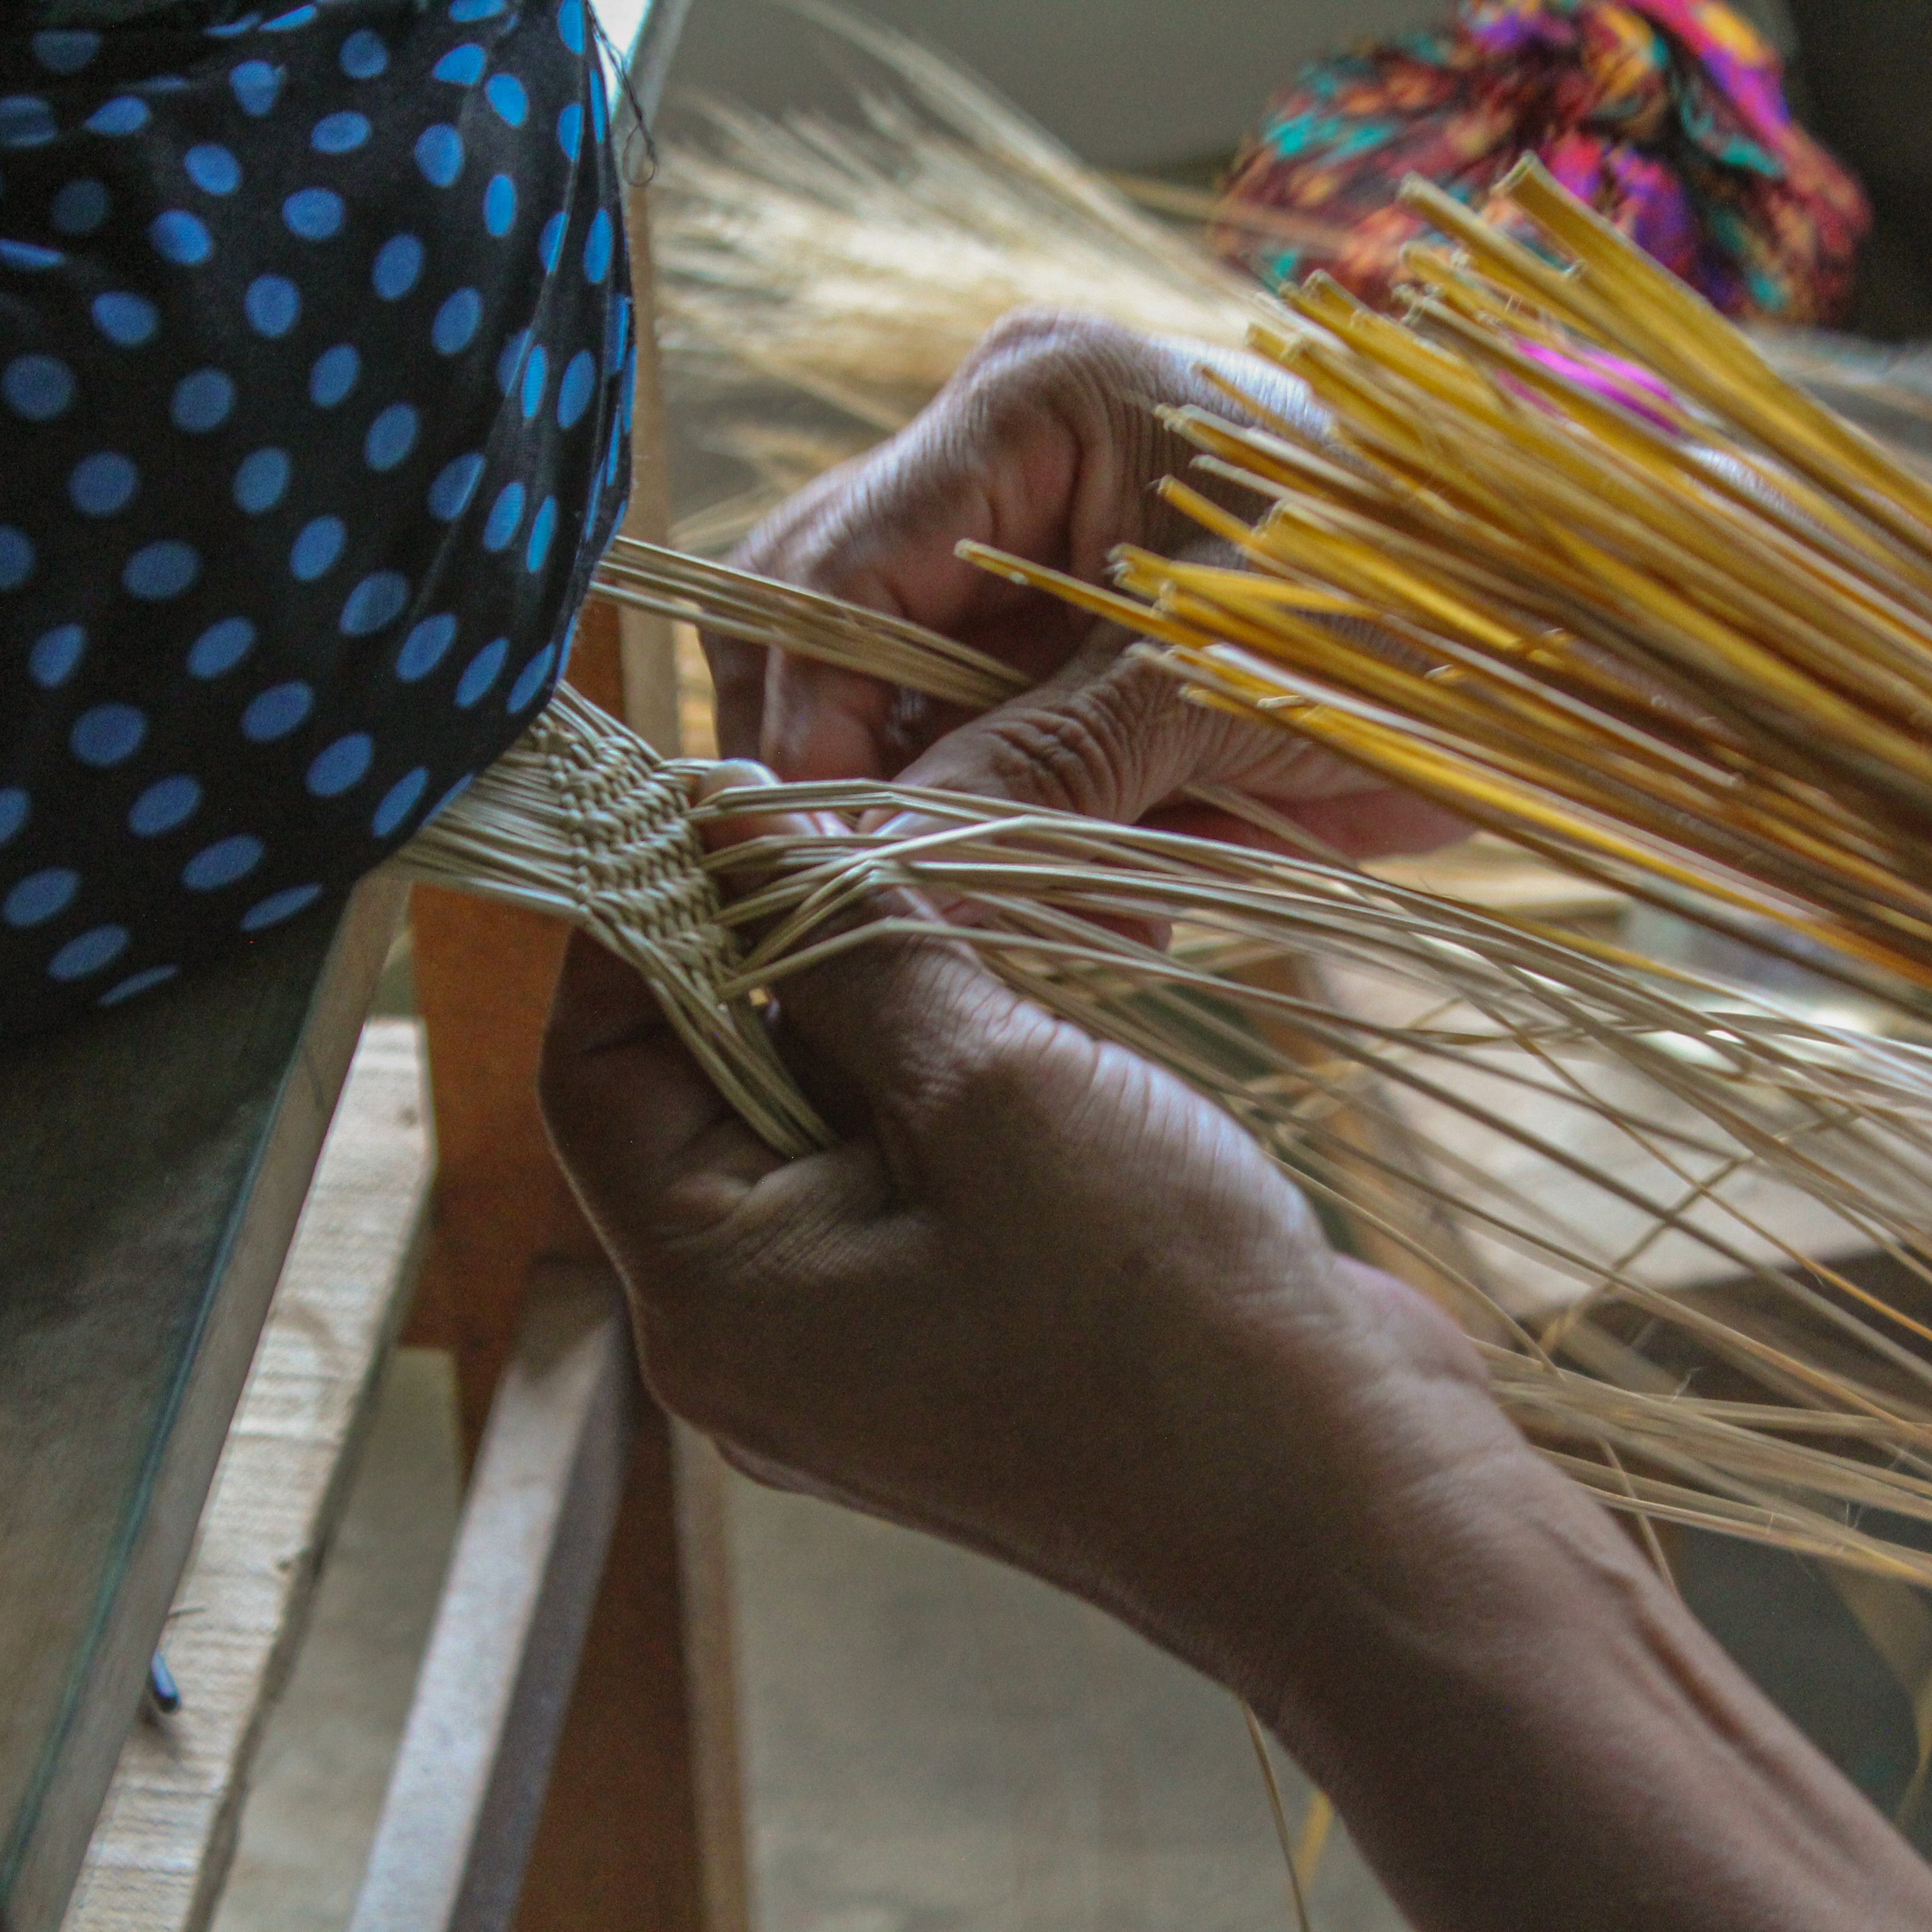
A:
(1041, 1299)
(1045, 444)
(1022, 1303)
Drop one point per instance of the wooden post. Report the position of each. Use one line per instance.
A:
(620, 1847)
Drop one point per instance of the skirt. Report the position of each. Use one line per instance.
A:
(315, 371)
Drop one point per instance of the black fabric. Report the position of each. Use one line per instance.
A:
(314, 364)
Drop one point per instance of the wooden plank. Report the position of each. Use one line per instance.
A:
(158, 1161)
(161, 1852)
(469, 1782)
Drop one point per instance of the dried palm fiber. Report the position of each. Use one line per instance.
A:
(1562, 1056)
(858, 264)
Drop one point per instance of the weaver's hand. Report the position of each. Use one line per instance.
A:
(1041, 1300)
(1045, 445)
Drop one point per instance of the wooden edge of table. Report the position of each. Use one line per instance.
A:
(161, 1853)
(470, 1780)
(55, 1837)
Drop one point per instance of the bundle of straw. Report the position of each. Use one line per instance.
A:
(1567, 1147)
(858, 265)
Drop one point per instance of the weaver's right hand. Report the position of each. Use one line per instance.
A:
(1042, 1300)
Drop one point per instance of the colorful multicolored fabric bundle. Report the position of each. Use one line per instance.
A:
(1667, 115)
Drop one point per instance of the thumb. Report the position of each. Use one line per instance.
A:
(1109, 736)
(878, 1025)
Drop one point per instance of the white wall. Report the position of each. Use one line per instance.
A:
(1128, 83)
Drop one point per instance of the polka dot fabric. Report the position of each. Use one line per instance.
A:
(314, 351)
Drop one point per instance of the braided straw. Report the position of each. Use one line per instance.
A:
(583, 821)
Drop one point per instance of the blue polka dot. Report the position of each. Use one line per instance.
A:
(505, 514)
(600, 110)
(336, 372)
(462, 65)
(159, 571)
(399, 263)
(425, 648)
(392, 436)
(375, 601)
(276, 712)
(38, 387)
(570, 25)
(315, 214)
(450, 797)
(28, 256)
(543, 533)
(262, 480)
(505, 93)
(363, 55)
(91, 952)
(41, 896)
(142, 982)
(536, 379)
(611, 467)
(123, 115)
(222, 863)
(598, 248)
(463, 11)
(512, 360)
(483, 671)
(212, 169)
(341, 133)
(456, 322)
(570, 130)
(65, 50)
(26, 121)
(530, 680)
(127, 320)
(278, 906)
(550, 243)
(272, 305)
(343, 766)
(56, 655)
(230, 30)
(449, 495)
(109, 734)
(165, 807)
(499, 206)
(16, 557)
(80, 207)
(574, 392)
(220, 648)
(257, 85)
(101, 484)
(286, 23)
(202, 401)
(181, 238)
(399, 800)
(317, 549)
(15, 808)
(439, 154)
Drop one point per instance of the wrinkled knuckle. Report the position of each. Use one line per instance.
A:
(1068, 758)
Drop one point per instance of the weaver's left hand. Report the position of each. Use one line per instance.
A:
(1045, 444)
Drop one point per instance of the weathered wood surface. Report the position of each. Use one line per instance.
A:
(161, 1852)
(468, 1789)
(156, 1163)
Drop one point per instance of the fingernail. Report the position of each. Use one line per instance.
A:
(733, 774)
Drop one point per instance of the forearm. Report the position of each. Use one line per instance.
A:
(1521, 1722)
